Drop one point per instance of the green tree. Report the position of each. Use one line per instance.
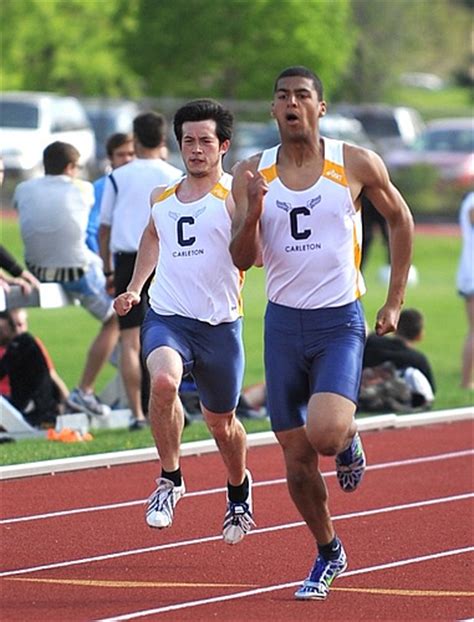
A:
(234, 49)
(67, 45)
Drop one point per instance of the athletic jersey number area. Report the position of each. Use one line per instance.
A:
(195, 276)
(311, 238)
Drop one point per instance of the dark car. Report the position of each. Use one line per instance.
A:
(341, 127)
(108, 116)
(447, 146)
(388, 127)
(251, 137)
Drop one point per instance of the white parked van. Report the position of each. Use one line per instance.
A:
(29, 122)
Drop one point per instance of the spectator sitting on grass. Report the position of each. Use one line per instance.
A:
(32, 391)
(20, 319)
(400, 350)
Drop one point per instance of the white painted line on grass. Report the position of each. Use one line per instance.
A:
(254, 532)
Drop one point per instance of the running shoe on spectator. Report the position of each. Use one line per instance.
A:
(350, 465)
(88, 403)
(162, 502)
(138, 424)
(238, 518)
(323, 573)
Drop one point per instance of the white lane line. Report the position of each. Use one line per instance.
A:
(255, 532)
(282, 586)
(211, 491)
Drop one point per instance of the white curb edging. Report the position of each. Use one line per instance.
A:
(201, 447)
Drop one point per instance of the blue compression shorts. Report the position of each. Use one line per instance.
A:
(310, 351)
(213, 355)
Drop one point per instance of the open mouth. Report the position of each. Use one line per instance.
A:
(291, 117)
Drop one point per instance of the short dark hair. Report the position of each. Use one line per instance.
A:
(150, 129)
(202, 110)
(57, 156)
(117, 140)
(304, 72)
(410, 324)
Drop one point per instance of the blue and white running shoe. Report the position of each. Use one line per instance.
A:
(162, 502)
(350, 465)
(323, 573)
(238, 519)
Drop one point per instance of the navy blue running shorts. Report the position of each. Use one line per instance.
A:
(213, 355)
(310, 351)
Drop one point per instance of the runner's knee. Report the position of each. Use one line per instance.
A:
(164, 386)
(328, 440)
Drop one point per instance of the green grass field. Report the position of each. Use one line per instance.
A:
(67, 333)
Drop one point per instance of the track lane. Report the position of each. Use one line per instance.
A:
(213, 562)
(36, 543)
(179, 574)
(135, 481)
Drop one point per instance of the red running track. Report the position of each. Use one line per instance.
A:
(75, 546)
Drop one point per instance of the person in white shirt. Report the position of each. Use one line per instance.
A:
(194, 324)
(465, 284)
(53, 212)
(124, 214)
(298, 205)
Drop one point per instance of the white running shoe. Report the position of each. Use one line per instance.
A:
(162, 502)
(238, 519)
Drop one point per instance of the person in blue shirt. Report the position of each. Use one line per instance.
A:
(120, 151)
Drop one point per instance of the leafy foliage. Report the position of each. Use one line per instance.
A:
(233, 49)
(68, 46)
(175, 48)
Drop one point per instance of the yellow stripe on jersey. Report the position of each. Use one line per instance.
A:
(167, 193)
(241, 285)
(219, 191)
(334, 172)
(269, 173)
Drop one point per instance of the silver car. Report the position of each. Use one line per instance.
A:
(29, 122)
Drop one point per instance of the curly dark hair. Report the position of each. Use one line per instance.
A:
(202, 110)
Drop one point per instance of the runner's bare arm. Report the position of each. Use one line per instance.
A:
(369, 170)
(248, 190)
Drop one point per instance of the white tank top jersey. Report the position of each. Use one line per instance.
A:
(195, 276)
(311, 239)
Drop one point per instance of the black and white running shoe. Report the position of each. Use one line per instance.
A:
(162, 502)
(238, 518)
